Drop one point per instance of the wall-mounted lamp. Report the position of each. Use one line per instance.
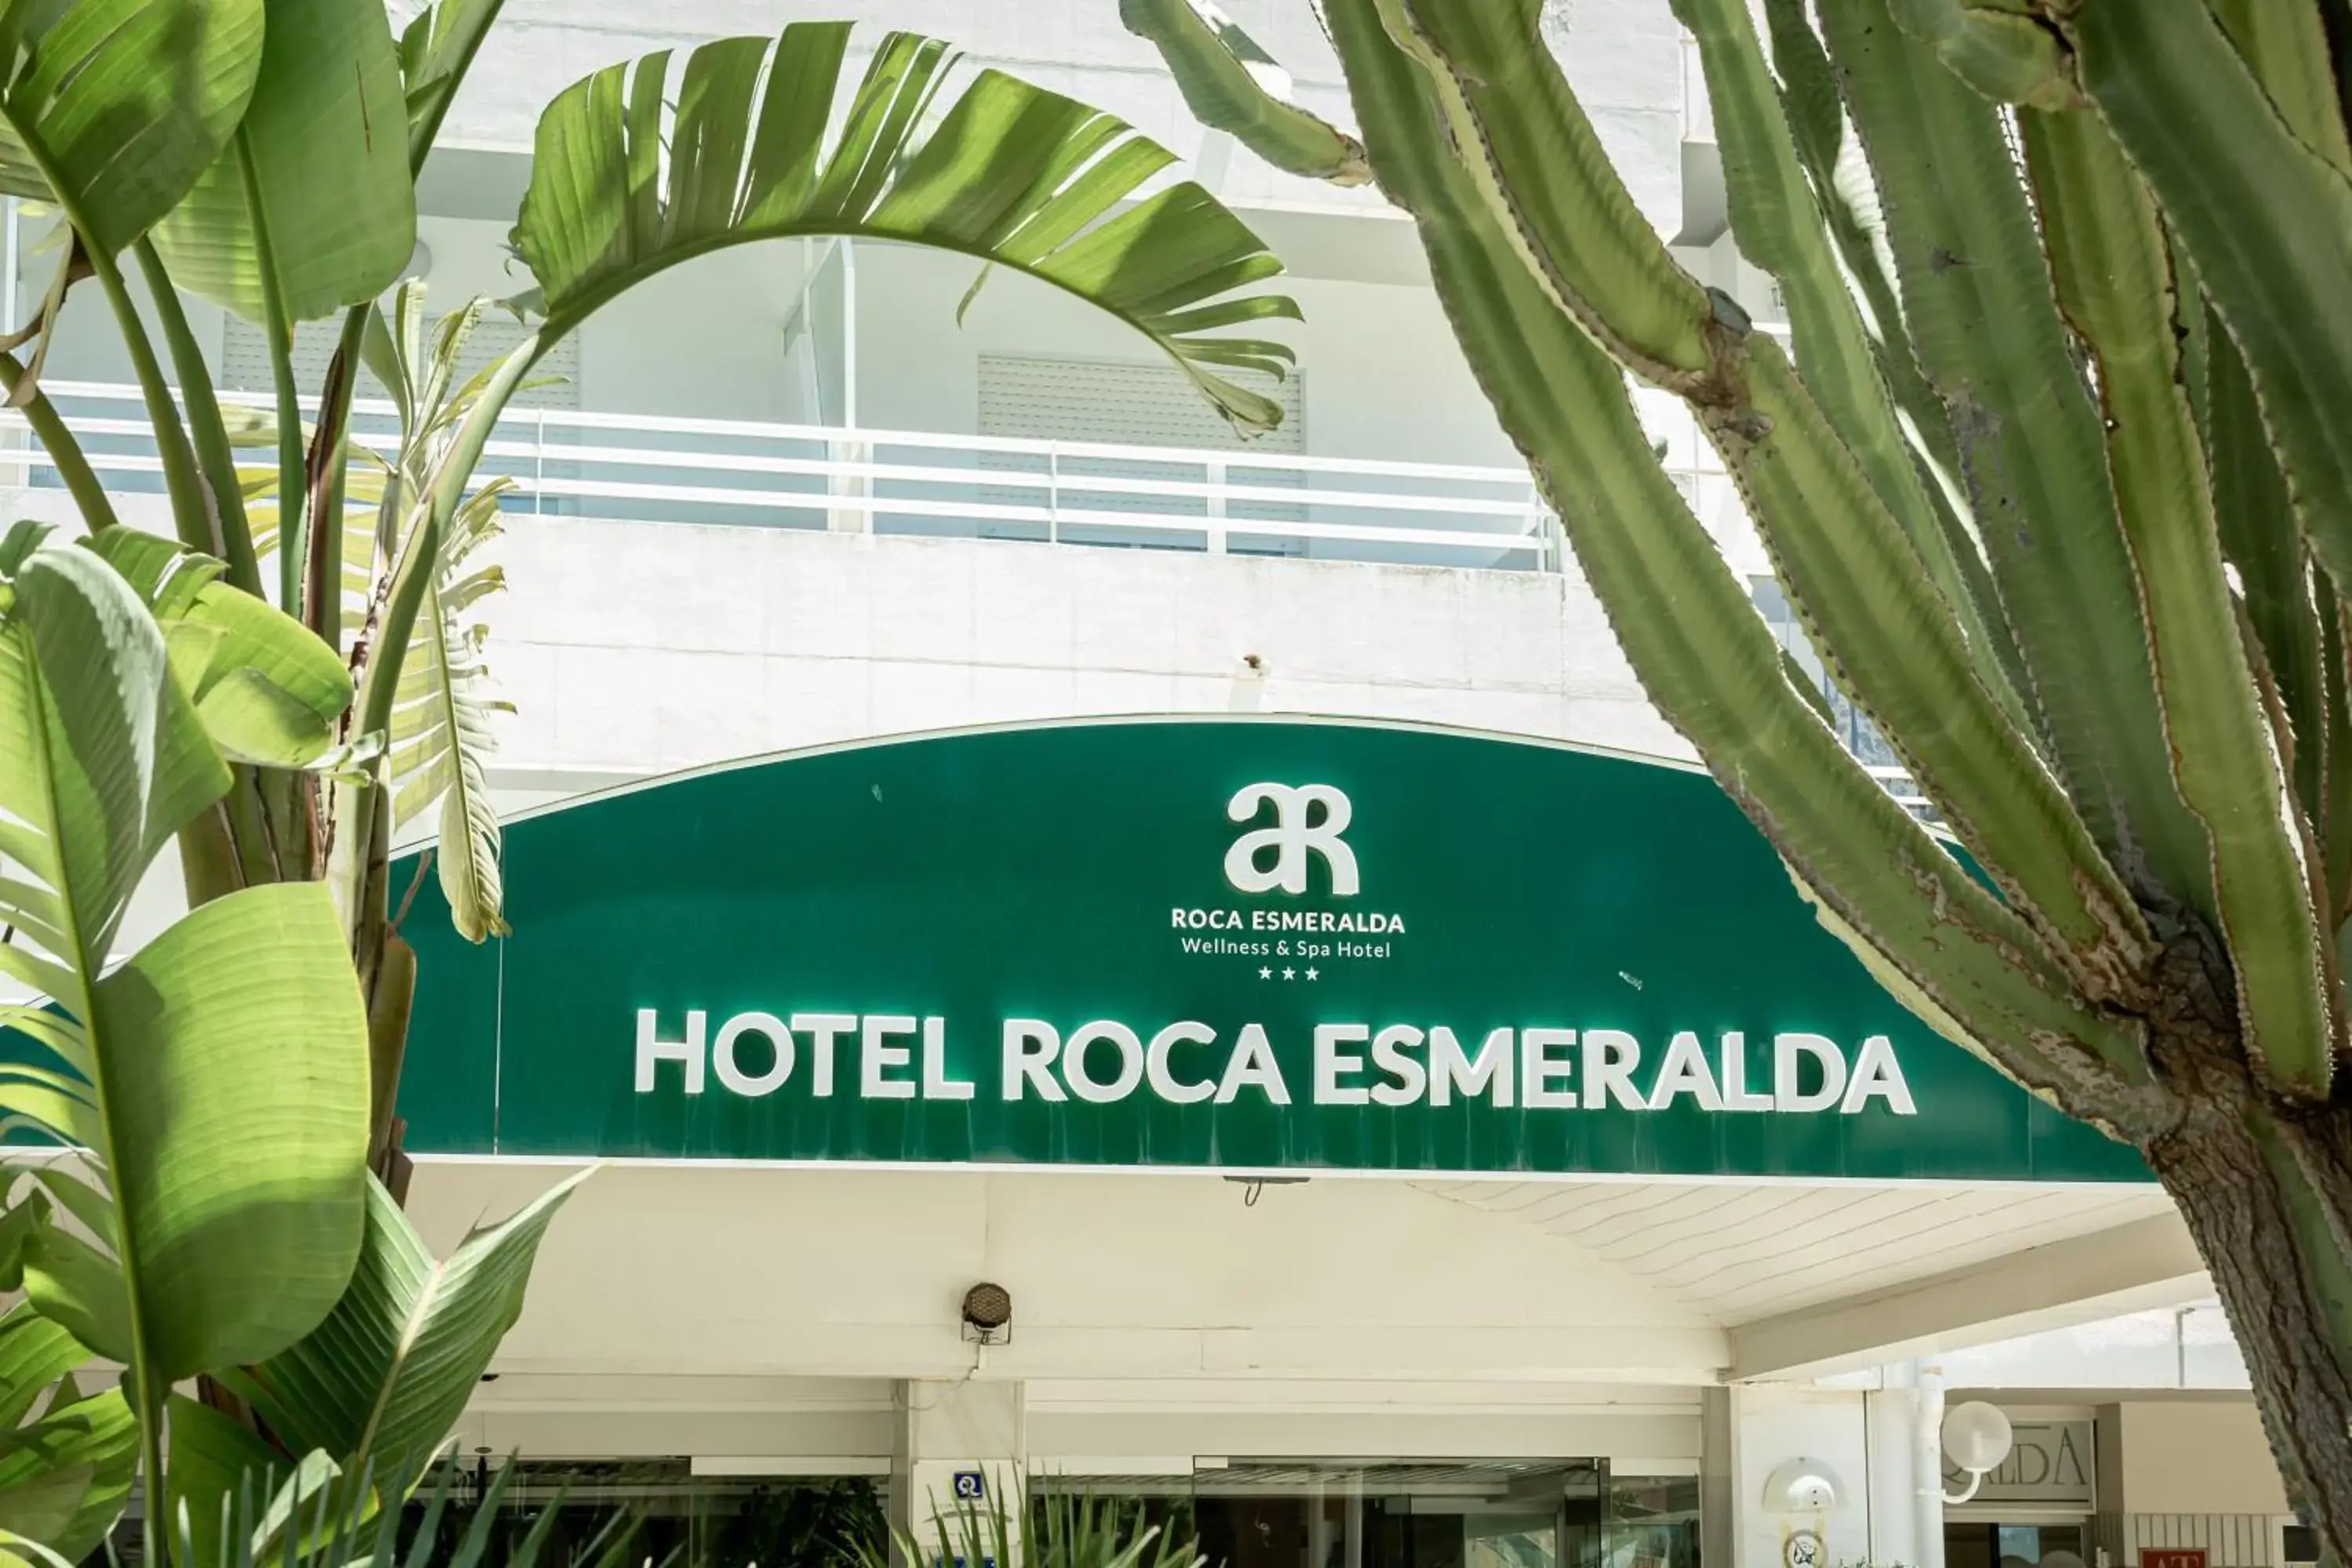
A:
(1977, 1438)
(1801, 1486)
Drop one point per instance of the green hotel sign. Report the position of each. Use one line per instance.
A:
(1231, 944)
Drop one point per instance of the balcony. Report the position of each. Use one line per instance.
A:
(663, 471)
(655, 469)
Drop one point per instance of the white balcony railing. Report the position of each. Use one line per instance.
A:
(656, 470)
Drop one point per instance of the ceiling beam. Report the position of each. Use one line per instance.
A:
(2131, 1268)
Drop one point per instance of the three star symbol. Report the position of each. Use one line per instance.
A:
(1265, 973)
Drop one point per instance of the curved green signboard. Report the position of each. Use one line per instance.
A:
(1243, 945)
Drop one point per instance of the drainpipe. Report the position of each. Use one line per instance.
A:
(1927, 1465)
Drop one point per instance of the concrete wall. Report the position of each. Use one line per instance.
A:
(726, 1311)
(637, 649)
(769, 1272)
(2193, 1457)
(2189, 1471)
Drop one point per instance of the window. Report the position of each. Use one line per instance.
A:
(1451, 1513)
(639, 1510)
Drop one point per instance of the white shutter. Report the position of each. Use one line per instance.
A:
(244, 360)
(1123, 403)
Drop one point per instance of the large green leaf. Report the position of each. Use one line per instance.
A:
(435, 50)
(212, 1456)
(101, 757)
(218, 1076)
(319, 154)
(1009, 174)
(111, 109)
(265, 690)
(384, 1379)
(1232, 85)
(233, 1051)
(34, 1353)
(438, 734)
(64, 1479)
(440, 728)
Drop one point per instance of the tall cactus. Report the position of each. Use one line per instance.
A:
(2059, 479)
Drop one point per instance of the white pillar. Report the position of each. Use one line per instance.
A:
(1928, 1435)
(1764, 1425)
(1719, 1513)
(1892, 1411)
(951, 1428)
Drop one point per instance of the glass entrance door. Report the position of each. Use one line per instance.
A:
(1989, 1543)
(1571, 1513)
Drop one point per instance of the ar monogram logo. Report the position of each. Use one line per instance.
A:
(1292, 837)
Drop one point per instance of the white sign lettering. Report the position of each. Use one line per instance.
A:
(1105, 1061)
(2050, 1462)
(1292, 839)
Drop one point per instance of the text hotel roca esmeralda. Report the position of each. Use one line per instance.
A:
(884, 1055)
(1103, 1061)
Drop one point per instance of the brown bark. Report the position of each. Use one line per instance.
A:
(2266, 1190)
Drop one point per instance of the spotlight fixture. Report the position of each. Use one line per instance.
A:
(988, 1314)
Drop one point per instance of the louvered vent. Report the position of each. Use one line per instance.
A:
(1135, 404)
(244, 360)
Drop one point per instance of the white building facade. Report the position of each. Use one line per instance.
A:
(783, 501)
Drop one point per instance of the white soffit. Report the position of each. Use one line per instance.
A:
(1743, 1251)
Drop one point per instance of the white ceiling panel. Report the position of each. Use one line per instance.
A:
(1740, 1252)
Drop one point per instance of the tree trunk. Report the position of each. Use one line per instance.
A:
(2266, 1190)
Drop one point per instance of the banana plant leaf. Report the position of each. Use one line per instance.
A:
(1007, 173)
(264, 691)
(112, 108)
(64, 1473)
(436, 48)
(337, 203)
(218, 1077)
(379, 1384)
(63, 1479)
(439, 733)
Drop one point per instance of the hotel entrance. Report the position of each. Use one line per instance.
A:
(1445, 1514)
